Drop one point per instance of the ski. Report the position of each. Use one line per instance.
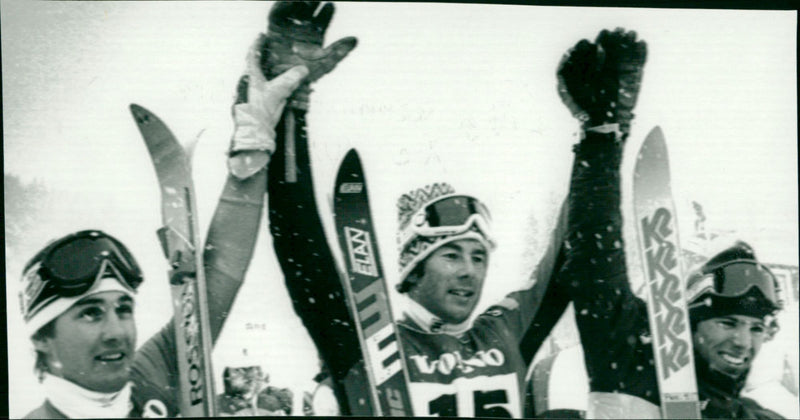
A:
(367, 293)
(179, 238)
(659, 247)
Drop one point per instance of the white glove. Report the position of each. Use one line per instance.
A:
(256, 115)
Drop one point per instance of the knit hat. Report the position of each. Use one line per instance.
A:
(731, 282)
(424, 227)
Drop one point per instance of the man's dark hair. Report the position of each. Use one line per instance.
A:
(417, 272)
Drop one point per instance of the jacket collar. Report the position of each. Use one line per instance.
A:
(419, 318)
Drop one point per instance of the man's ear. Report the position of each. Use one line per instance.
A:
(411, 282)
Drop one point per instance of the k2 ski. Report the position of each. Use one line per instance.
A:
(179, 238)
(657, 227)
(367, 293)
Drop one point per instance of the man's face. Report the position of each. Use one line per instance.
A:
(453, 280)
(729, 343)
(94, 342)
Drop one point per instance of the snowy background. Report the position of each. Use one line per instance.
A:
(462, 93)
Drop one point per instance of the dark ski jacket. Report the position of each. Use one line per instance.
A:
(612, 321)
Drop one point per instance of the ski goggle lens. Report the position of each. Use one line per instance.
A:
(70, 266)
(449, 215)
(737, 277)
(454, 211)
(75, 262)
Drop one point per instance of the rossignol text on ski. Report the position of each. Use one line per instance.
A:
(179, 238)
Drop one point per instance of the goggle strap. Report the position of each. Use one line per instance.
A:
(30, 312)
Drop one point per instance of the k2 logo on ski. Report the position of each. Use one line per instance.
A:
(665, 288)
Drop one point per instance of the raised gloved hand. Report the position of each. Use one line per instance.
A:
(599, 82)
(258, 108)
(295, 37)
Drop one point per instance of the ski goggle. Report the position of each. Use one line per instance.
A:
(734, 279)
(445, 216)
(71, 265)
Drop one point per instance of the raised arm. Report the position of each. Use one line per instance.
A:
(599, 82)
(296, 36)
(234, 228)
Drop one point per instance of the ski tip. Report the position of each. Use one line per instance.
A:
(351, 154)
(654, 135)
(655, 132)
(351, 159)
(141, 114)
(137, 109)
(350, 165)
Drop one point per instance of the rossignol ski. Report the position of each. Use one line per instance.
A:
(179, 238)
(659, 247)
(367, 293)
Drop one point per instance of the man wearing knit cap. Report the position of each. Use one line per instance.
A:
(445, 242)
(731, 297)
(460, 364)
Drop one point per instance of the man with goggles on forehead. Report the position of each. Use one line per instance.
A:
(79, 293)
(446, 216)
(731, 297)
(78, 305)
(459, 363)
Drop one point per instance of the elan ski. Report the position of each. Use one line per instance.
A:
(179, 238)
(367, 293)
(659, 247)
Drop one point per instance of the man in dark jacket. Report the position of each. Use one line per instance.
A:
(731, 297)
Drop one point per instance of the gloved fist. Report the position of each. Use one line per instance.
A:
(296, 36)
(599, 82)
(258, 108)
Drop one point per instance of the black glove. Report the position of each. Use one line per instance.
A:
(599, 82)
(296, 36)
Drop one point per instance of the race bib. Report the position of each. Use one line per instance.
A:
(484, 396)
